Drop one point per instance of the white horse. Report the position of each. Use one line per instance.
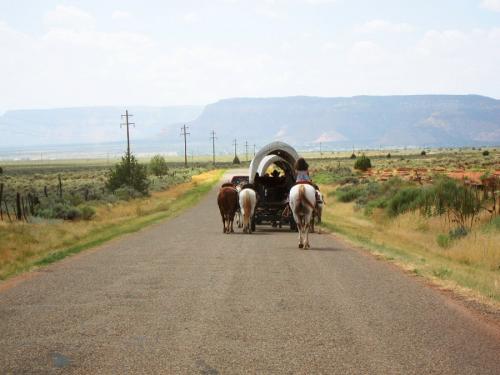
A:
(248, 201)
(302, 204)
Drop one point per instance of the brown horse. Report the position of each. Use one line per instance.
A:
(227, 200)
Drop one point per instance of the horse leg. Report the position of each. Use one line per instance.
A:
(299, 226)
(306, 230)
(223, 224)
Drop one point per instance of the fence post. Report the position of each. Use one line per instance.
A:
(60, 186)
(1, 197)
(7, 210)
(19, 214)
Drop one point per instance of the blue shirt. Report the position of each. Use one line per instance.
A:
(303, 176)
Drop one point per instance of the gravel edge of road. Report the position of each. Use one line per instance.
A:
(487, 311)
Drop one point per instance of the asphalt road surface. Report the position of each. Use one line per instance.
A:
(181, 297)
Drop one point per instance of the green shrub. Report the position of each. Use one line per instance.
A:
(59, 210)
(457, 233)
(404, 201)
(353, 156)
(363, 163)
(73, 213)
(460, 203)
(442, 272)
(493, 225)
(443, 240)
(423, 153)
(88, 212)
(348, 193)
(236, 160)
(126, 193)
(349, 180)
(486, 153)
(128, 173)
(388, 156)
(158, 166)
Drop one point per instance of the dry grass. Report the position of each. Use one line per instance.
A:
(22, 244)
(470, 264)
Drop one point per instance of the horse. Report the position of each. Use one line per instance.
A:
(318, 212)
(227, 199)
(248, 201)
(302, 204)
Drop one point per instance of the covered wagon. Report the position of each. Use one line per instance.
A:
(272, 173)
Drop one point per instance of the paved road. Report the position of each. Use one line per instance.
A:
(182, 298)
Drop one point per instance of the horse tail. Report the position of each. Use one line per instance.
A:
(302, 197)
(247, 207)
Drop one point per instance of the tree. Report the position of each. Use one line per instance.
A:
(236, 160)
(363, 163)
(128, 173)
(353, 156)
(486, 153)
(423, 153)
(158, 166)
(388, 155)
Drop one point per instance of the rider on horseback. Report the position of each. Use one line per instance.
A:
(302, 171)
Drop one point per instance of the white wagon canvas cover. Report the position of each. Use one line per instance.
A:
(279, 153)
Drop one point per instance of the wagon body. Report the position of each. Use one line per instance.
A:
(273, 191)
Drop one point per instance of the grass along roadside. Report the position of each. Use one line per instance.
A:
(468, 266)
(24, 246)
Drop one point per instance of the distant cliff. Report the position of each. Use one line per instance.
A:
(362, 121)
(430, 120)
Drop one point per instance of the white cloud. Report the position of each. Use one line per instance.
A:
(493, 5)
(120, 15)
(329, 46)
(331, 136)
(367, 52)
(443, 42)
(190, 18)
(379, 25)
(281, 134)
(69, 17)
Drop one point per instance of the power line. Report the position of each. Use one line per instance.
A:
(213, 138)
(185, 133)
(127, 124)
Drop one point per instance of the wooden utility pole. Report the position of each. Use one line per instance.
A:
(127, 124)
(213, 138)
(246, 150)
(185, 133)
(235, 143)
(320, 150)
(254, 149)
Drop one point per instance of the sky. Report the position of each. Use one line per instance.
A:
(58, 53)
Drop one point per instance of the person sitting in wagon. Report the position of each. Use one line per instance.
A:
(302, 171)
